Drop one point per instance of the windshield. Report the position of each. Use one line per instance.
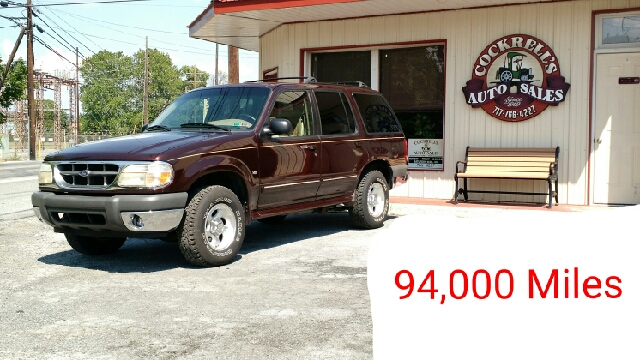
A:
(228, 108)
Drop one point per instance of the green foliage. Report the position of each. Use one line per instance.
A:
(14, 86)
(112, 95)
(50, 115)
(187, 73)
(106, 94)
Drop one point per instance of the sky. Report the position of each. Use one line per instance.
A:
(117, 27)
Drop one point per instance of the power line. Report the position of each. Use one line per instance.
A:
(53, 21)
(133, 27)
(52, 49)
(71, 48)
(78, 3)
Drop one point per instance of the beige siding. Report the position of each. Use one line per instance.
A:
(564, 26)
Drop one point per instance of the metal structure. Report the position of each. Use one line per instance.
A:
(55, 83)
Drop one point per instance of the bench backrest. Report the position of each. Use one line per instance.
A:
(512, 160)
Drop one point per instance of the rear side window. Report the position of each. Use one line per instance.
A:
(376, 114)
(336, 116)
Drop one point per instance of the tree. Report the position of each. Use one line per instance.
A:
(113, 92)
(223, 78)
(187, 73)
(165, 84)
(15, 85)
(107, 94)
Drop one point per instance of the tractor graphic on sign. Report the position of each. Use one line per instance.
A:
(512, 70)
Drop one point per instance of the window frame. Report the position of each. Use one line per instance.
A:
(599, 45)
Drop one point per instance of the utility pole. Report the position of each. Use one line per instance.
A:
(215, 81)
(234, 72)
(145, 105)
(77, 99)
(195, 76)
(30, 101)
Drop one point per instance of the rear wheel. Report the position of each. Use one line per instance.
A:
(272, 220)
(90, 245)
(213, 228)
(372, 201)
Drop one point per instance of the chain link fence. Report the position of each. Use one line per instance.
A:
(13, 147)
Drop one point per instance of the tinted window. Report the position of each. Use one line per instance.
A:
(336, 116)
(376, 114)
(294, 106)
(342, 66)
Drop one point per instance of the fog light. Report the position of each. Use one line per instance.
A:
(137, 221)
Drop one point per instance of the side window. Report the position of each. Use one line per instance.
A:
(294, 106)
(336, 116)
(376, 114)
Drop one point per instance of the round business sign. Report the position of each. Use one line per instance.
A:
(515, 78)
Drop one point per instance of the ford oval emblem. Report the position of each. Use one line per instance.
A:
(84, 173)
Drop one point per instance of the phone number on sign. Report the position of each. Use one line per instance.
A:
(479, 285)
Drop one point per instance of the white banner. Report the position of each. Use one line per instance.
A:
(425, 154)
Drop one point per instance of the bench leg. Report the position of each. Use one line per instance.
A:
(457, 192)
(556, 192)
(466, 194)
(550, 195)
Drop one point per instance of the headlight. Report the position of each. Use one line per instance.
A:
(45, 175)
(154, 175)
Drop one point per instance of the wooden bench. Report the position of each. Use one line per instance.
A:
(509, 163)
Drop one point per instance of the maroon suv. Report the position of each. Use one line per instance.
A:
(219, 157)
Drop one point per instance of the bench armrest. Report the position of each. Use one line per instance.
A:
(464, 168)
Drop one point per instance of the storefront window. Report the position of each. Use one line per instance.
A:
(412, 80)
(342, 66)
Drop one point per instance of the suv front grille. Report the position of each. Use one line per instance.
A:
(87, 175)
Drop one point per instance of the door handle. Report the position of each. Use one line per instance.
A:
(358, 144)
(598, 141)
(308, 147)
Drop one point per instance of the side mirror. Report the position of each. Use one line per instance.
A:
(144, 127)
(278, 126)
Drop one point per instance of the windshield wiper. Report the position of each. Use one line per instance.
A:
(202, 126)
(158, 127)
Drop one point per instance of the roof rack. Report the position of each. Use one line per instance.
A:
(311, 79)
(350, 83)
(306, 79)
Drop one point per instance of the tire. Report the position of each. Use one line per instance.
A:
(371, 206)
(90, 245)
(506, 76)
(273, 220)
(212, 231)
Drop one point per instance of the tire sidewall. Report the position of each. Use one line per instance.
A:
(373, 178)
(213, 197)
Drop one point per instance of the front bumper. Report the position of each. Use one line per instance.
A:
(135, 215)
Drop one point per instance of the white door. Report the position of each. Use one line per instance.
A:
(617, 130)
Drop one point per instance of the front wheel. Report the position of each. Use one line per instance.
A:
(213, 228)
(90, 245)
(372, 201)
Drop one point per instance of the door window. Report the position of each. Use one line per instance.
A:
(294, 106)
(336, 115)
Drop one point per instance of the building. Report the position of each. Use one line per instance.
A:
(480, 73)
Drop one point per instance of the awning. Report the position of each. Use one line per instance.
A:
(241, 23)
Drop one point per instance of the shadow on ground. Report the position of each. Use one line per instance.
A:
(149, 255)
